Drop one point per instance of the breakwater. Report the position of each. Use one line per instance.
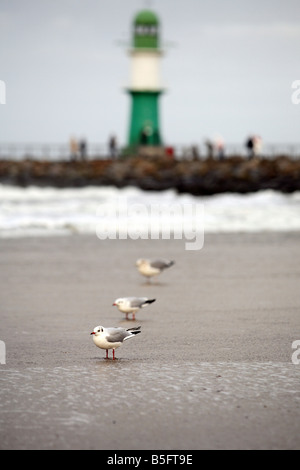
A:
(197, 177)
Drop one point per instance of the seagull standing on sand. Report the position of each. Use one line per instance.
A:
(112, 338)
(132, 304)
(149, 268)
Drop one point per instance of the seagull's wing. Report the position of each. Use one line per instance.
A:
(137, 301)
(161, 264)
(116, 335)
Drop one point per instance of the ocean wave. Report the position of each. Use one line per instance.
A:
(35, 211)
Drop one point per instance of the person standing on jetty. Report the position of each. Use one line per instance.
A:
(112, 147)
(250, 147)
(73, 149)
(210, 148)
(257, 141)
(254, 145)
(83, 149)
(220, 148)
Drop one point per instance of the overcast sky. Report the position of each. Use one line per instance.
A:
(228, 69)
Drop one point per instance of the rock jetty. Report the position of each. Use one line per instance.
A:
(197, 177)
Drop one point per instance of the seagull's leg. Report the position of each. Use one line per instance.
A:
(106, 354)
(113, 354)
(133, 316)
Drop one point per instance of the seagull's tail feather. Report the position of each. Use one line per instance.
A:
(150, 301)
(134, 331)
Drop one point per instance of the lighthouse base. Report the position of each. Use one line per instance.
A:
(144, 123)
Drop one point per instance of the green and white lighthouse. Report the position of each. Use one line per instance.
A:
(145, 86)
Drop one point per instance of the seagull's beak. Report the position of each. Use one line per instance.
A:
(92, 333)
(114, 304)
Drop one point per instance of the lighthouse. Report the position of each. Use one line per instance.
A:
(145, 85)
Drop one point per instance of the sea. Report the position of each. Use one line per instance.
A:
(49, 211)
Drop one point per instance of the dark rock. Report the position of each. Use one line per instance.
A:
(198, 177)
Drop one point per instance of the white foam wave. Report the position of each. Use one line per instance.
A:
(51, 211)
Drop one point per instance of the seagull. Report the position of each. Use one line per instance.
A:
(112, 338)
(149, 268)
(132, 304)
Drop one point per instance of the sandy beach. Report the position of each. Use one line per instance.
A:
(212, 368)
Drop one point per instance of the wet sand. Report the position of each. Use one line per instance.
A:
(212, 368)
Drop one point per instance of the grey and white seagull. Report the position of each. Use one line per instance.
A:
(150, 268)
(112, 338)
(132, 304)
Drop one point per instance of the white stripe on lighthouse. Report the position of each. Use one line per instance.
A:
(145, 70)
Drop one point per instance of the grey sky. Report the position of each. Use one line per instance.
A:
(228, 69)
